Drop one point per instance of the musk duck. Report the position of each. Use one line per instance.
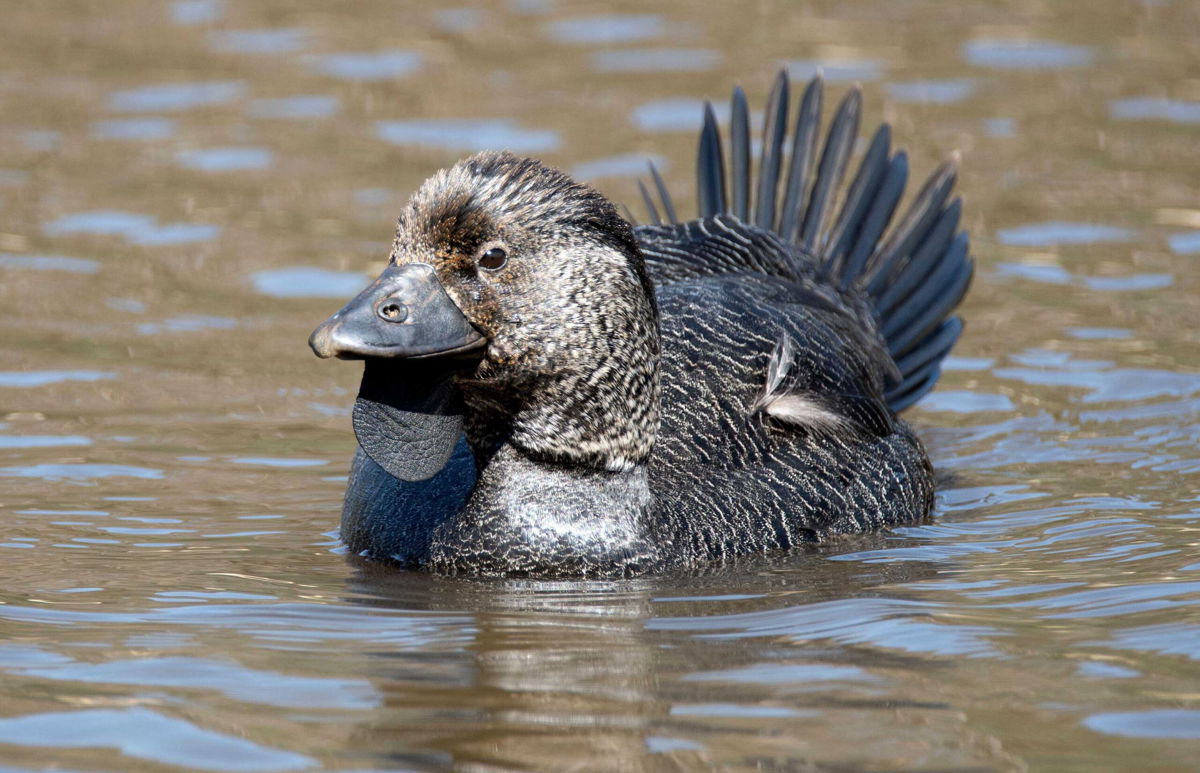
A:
(550, 391)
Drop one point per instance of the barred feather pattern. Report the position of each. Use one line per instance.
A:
(729, 478)
(911, 275)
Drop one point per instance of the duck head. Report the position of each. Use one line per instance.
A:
(521, 293)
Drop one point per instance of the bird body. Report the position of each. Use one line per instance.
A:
(624, 400)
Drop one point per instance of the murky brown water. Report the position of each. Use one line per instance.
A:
(187, 187)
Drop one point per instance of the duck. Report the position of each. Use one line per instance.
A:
(552, 390)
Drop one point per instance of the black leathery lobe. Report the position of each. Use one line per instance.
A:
(408, 417)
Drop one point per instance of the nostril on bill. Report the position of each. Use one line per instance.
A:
(392, 311)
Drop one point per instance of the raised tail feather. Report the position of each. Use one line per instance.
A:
(915, 274)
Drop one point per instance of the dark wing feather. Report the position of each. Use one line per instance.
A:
(903, 285)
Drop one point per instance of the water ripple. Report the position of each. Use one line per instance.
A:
(262, 461)
(1056, 232)
(785, 673)
(225, 159)
(1104, 383)
(284, 622)
(888, 623)
(1166, 639)
(1116, 601)
(230, 679)
(140, 129)
(1155, 108)
(43, 441)
(625, 165)
(655, 60)
(187, 323)
(38, 378)
(738, 710)
(177, 96)
(49, 263)
(1185, 243)
(147, 735)
(656, 744)
(1097, 670)
(965, 401)
(608, 29)
(135, 228)
(308, 282)
(836, 70)
(458, 20)
(80, 471)
(374, 66)
(674, 114)
(468, 135)
(194, 12)
(264, 41)
(1160, 723)
(1025, 54)
(306, 106)
(939, 92)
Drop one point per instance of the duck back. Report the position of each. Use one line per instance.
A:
(740, 466)
(793, 333)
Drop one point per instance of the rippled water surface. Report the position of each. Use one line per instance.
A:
(187, 188)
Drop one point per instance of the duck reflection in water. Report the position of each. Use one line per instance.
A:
(529, 674)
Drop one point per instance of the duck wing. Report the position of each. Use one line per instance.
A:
(902, 284)
(716, 245)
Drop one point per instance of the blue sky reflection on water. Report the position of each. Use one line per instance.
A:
(468, 135)
(613, 29)
(148, 735)
(177, 96)
(1003, 54)
(136, 228)
(369, 66)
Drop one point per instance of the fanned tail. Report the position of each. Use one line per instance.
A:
(915, 275)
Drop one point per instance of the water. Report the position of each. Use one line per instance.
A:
(940, 92)
(655, 60)
(610, 30)
(188, 187)
(468, 136)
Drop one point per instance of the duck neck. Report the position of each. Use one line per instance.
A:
(562, 439)
(590, 405)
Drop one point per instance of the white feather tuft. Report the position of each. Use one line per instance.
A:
(778, 368)
(803, 411)
(794, 408)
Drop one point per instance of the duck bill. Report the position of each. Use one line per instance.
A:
(408, 415)
(404, 314)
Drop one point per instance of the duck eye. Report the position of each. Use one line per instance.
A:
(494, 258)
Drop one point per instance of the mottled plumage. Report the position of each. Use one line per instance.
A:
(678, 392)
